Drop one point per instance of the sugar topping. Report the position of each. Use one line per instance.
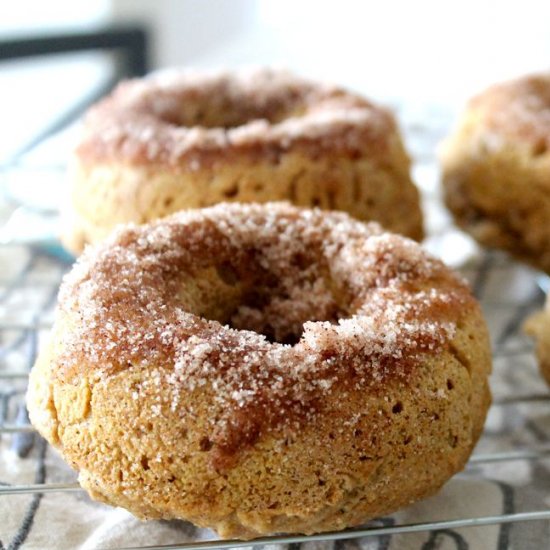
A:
(184, 119)
(518, 109)
(266, 308)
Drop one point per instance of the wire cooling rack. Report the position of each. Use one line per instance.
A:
(511, 461)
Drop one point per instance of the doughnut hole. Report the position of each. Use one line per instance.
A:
(226, 110)
(266, 300)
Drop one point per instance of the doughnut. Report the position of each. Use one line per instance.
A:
(496, 169)
(181, 139)
(261, 368)
(538, 327)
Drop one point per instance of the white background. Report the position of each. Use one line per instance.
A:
(417, 52)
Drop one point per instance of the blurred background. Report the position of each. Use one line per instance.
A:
(422, 59)
(422, 52)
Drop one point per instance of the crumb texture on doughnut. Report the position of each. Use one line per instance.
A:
(262, 368)
(185, 140)
(538, 326)
(496, 169)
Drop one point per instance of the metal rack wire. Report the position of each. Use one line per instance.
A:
(29, 279)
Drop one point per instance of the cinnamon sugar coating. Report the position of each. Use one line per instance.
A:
(201, 118)
(496, 169)
(224, 339)
(185, 139)
(518, 110)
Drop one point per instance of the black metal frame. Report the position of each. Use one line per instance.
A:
(131, 41)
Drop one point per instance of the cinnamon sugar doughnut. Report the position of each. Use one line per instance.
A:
(262, 368)
(496, 169)
(538, 326)
(181, 140)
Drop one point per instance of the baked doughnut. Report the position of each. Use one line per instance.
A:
(538, 326)
(496, 169)
(262, 368)
(181, 140)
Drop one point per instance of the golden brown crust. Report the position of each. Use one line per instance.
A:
(496, 169)
(538, 326)
(193, 140)
(183, 408)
